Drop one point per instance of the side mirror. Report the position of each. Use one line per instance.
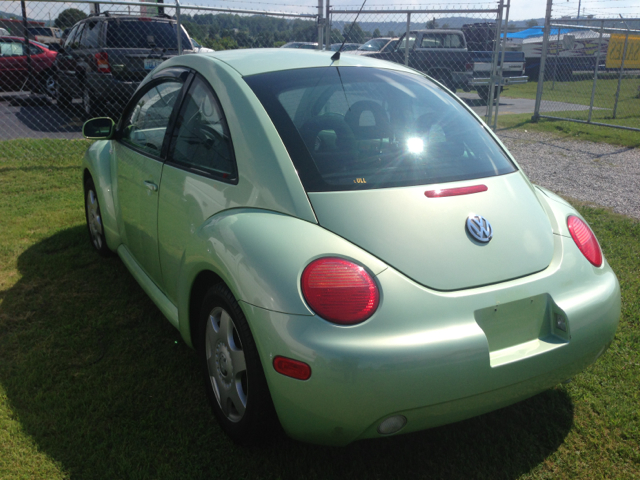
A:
(98, 128)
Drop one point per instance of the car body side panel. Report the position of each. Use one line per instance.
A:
(138, 206)
(97, 160)
(260, 255)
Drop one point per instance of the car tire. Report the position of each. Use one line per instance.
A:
(48, 84)
(233, 374)
(483, 93)
(62, 96)
(91, 107)
(94, 219)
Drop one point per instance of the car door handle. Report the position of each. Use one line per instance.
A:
(151, 186)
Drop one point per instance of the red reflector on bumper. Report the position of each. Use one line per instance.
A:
(292, 368)
(452, 192)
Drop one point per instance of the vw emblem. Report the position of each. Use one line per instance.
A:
(479, 228)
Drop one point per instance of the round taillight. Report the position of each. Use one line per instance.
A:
(339, 290)
(585, 240)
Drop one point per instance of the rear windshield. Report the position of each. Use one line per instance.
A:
(144, 34)
(40, 31)
(356, 128)
(374, 45)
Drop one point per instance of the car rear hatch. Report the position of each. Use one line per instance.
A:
(427, 238)
(382, 155)
(136, 46)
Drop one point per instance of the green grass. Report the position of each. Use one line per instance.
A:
(570, 130)
(95, 383)
(578, 91)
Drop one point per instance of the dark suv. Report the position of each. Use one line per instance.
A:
(105, 57)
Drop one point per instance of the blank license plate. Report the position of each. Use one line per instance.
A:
(151, 63)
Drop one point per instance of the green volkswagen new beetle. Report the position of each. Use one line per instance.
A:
(349, 249)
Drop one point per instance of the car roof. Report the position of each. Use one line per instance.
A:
(21, 39)
(263, 60)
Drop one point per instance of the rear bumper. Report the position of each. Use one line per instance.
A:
(108, 88)
(485, 81)
(438, 357)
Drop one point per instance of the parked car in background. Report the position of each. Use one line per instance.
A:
(350, 250)
(303, 45)
(442, 54)
(105, 57)
(46, 35)
(380, 44)
(197, 48)
(512, 71)
(14, 66)
(347, 47)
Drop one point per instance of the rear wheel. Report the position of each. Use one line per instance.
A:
(234, 379)
(48, 84)
(62, 95)
(91, 106)
(483, 93)
(94, 219)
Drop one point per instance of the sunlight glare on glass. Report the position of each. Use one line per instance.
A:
(415, 145)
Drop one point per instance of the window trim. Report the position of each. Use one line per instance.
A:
(185, 78)
(232, 179)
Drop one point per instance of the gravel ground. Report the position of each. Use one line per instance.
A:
(598, 173)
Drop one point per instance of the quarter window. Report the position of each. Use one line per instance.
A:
(72, 36)
(201, 138)
(146, 123)
(90, 35)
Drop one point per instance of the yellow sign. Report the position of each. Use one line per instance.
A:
(616, 48)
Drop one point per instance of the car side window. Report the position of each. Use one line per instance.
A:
(201, 140)
(11, 49)
(71, 36)
(90, 35)
(75, 42)
(146, 122)
(401, 45)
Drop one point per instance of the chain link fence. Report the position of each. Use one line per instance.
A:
(64, 62)
(588, 69)
(459, 47)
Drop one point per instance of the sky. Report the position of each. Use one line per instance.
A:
(520, 9)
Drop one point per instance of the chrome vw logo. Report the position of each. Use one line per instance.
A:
(479, 228)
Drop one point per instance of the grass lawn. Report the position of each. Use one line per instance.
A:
(578, 91)
(95, 383)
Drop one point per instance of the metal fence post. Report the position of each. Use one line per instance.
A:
(178, 27)
(320, 25)
(555, 64)
(327, 34)
(624, 54)
(543, 59)
(500, 66)
(406, 40)
(494, 63)
(595, 72)
(25, 26)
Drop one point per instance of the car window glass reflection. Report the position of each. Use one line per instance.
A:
(202, 140)
(147, 122)
(11, 49)
(366, 128)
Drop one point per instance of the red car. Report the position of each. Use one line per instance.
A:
(14, 68)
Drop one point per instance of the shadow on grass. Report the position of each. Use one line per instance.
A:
(104, 386)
